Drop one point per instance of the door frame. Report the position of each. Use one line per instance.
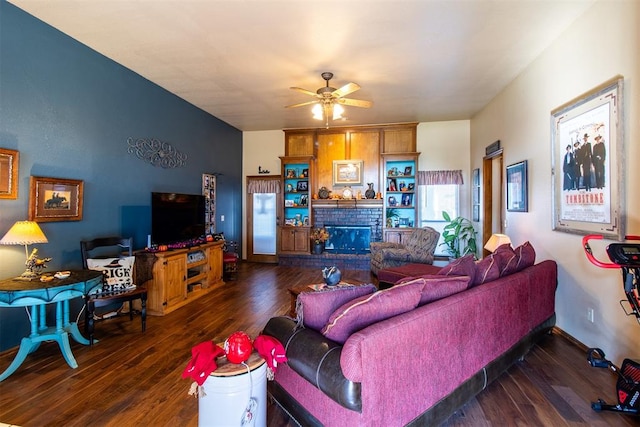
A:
(488, 183)
(251, 257)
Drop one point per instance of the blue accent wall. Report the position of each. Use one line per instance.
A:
(69, 110)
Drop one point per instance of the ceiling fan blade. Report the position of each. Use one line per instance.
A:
(306, 92)
(345, 90)
(301, 104)
(354, 102)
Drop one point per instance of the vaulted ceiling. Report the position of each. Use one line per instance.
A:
(421, 61)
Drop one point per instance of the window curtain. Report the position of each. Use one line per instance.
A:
(263, 186)
(447, 177)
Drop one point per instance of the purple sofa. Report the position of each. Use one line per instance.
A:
(418, 367)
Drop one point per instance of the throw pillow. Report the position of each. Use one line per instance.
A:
(526, 256)
(487, 269)
(118, 272)
(313, 309)
(464, 266)
(369, 309)
(438, 287)
(507, 259)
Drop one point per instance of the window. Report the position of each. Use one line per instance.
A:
(433, 200)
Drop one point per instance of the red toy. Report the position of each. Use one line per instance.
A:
(238, 347)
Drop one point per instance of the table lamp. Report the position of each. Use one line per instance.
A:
(25, 233)
(495, 241)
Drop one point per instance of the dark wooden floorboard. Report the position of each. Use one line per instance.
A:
(130, 378)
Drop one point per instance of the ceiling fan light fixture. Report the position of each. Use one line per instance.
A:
(337, 111)
(317, 112)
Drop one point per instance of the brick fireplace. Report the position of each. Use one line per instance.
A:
(354, 214)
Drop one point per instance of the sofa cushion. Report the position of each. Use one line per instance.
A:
(118, 273)
(487, 270)
(507, 259)
(464, 266)
(369, 309)
(526, 256)
(437, 287)
(314, 308)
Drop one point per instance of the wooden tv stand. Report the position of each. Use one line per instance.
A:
(183, 275)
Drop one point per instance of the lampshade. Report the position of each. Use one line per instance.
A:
(24, 233)
(496, 240)
(326, 110)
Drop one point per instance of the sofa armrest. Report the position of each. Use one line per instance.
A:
(316, 359)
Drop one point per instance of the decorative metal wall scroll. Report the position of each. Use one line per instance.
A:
(156, 152)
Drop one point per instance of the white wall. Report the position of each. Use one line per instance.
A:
(602, 43)
(260, 149)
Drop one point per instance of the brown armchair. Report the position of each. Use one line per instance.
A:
(419, 248)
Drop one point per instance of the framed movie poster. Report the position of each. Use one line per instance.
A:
(587, 147)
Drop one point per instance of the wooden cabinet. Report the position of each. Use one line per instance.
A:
(182, 275)
(397, 235)
(295, 240)
(401, 191)
(214, 260)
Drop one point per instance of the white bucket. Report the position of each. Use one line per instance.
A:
(227, 398)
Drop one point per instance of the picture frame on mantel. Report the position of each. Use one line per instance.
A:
(347, 172)
(587, 149)
(9, 165)
(55, 199)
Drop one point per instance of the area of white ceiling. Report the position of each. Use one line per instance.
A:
(420, 61)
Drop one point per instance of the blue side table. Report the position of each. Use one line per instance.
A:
(36, 295)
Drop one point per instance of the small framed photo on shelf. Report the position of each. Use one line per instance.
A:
(408, 171)
(290, 221)
(305, 221)
(302, 186)
(407, 199)
(392, 185)
(305, 173)
(291, 173)
(288, 203)
(411, 186)
(304, 200)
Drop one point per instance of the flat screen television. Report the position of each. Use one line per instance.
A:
(177, 218)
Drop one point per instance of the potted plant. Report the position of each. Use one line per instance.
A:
(392, 216)
(459, 236)
(319, 236)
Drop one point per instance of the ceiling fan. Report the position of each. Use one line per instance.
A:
(330, 100)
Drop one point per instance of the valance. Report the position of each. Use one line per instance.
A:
(440, 177)
(263, 186)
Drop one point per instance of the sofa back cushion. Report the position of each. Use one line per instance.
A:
(369, 309)
(487, 270)
(526, 256)
(313, 309)
(507, 259)
(464, 266)
(437, 287)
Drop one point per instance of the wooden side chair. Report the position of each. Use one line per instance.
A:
(230, 259)
(117, 277)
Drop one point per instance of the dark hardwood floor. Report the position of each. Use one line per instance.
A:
(134, 379)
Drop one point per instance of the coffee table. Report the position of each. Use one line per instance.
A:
(297, 290)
